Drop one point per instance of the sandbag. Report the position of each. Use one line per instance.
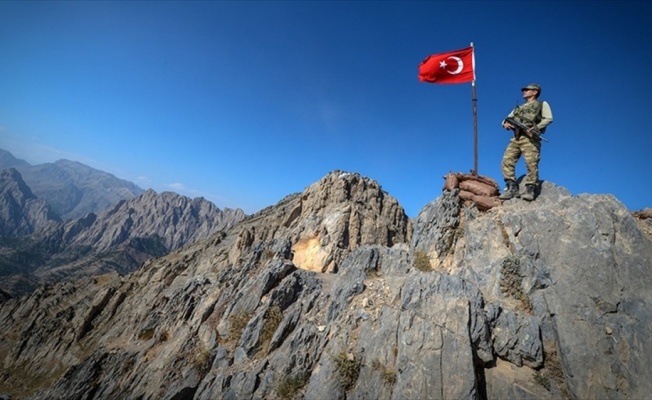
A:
(484, 203)
(479, 188)
(484, 179)
(451, 182)
(474, 190)
(466, 195)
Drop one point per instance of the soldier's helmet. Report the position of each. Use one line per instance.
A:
(534, 86)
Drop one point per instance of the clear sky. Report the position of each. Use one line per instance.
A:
(244, 102)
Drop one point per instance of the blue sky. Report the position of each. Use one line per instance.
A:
(244, 103)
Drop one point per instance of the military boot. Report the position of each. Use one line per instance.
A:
(529, 193)
(510, 191)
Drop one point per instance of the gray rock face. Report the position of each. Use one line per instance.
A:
(175, 219)
(119, 239)
(21, 212)
(335, 292)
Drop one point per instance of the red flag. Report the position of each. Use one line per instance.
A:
(453, 67)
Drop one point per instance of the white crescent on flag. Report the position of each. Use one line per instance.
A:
(460, 66)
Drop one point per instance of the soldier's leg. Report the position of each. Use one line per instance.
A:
(511, 156)
(532, 155)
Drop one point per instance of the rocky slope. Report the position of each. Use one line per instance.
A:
(175, 219)
(71, 189)
(118, 239)
(21, 212)
(334, 293)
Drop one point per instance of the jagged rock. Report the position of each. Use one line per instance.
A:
(570, 250)
(330, 218)
(21, 212)
(119, 239)
(175, 219)
(544, 299)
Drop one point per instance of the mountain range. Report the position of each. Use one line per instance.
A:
(38, 246)
(335, 293)
(70, 188)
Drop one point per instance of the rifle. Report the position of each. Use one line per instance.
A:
(520, 127)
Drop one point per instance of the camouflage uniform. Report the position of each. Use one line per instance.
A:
(531, 150)
(533, 114)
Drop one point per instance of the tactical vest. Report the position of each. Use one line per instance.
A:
(529, 114)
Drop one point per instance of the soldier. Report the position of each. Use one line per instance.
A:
(536, 115)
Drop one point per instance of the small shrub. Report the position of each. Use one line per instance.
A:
(542, 380)
(164, 337)
(128, 363)
(237, 324)
(146, 334)
(203, 358)
(271, 321)
(349, 369)
(552, 363)
(526, 302)
(388, 374)
(268, 254)
(290, 386)
(422, 262)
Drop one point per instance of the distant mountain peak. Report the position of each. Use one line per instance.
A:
(71, 188)
(12, 180)
(7, 160)
(21, 212)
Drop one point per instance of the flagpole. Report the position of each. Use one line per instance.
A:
(474, 103)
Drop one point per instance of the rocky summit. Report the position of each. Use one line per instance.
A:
(334, 293)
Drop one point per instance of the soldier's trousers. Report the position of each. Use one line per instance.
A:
(530, 149)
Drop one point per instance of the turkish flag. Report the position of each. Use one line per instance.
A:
(453, 67)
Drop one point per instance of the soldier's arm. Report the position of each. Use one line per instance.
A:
(546, 116)
(506, 124)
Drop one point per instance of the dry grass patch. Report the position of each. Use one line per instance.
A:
(271, 321)
(289, 387)
(422, 261)
(387, 373)
(511, 282)
(237, 324)
(348, 367)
